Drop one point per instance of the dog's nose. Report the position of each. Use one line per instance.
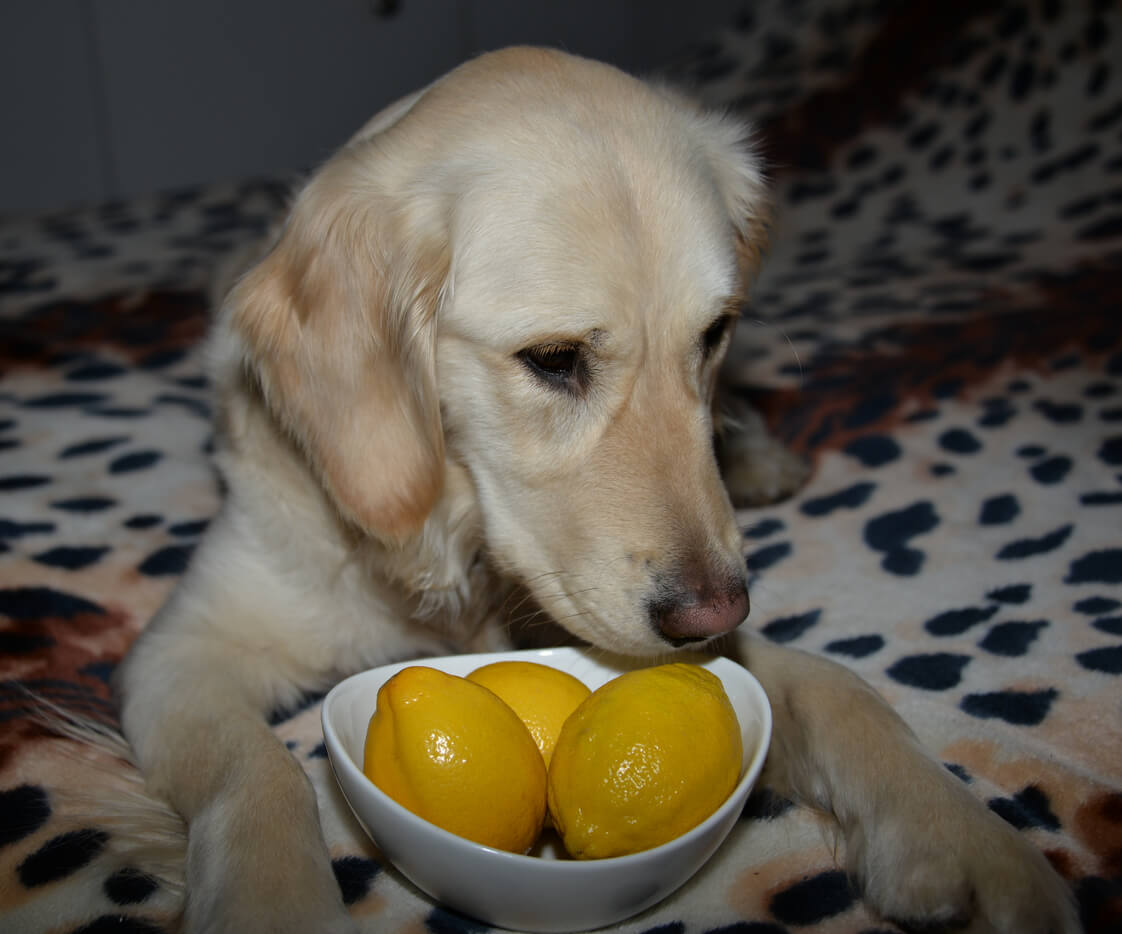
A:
(692, 614)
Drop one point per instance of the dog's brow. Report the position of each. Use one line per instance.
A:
(592, 337)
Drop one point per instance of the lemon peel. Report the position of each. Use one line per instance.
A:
(453, 753)
(645, 758)
(543, 697)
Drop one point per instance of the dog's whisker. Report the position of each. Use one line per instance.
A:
(787, 338)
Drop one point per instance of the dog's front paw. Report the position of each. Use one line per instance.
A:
(251, 870)
(756, 466)
(948, 861)
(232, 913)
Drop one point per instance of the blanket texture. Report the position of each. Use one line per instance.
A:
(938, 329)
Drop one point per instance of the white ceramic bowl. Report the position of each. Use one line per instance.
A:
(541, 892)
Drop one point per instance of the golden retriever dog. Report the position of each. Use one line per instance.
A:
(476, 367)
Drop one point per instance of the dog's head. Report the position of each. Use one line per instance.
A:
(530, 270)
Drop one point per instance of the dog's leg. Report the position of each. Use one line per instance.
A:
(757, 467)
(921, 845)
(193, 708)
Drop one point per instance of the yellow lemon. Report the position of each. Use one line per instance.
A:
(646, 757)
(453, 753)
(542, 696)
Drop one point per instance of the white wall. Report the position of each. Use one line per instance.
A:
(103, 99)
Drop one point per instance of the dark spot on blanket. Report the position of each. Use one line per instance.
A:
(765, 557)
(890, 532)
(764, 528)
(923, 415)
(355, 875)
(145, 521)
(1110, 452)
(1013, 593)
(815, 899)
(873, 450)
(1101, 498)
(1095, 606)
(852, 497)
(12, 529)
(160, 359)
(93, 446)
(189, 529)
(29, 603)
(297, 706)
(998, 510)
(1099, 390)
(959, 771)
(1059, 413)
(23, 810)
(749, 927)
(118, 411)
(22, 643)
(138, 460)
(130, 886)
(193, 406)
(96, 370)
(959, 441)
(870, 408)
(447, 921)
(60, 856)
(168, 561)
(790, 628)
(1109, 624)
(1029, 807)
(1107, 660)
(1012, 639)
(14, 482)
(1031, 547)
(81, 505)
(934, 671)
(857, 646)
(71, 558)
(63, 400)
(102, 670)
(956, 622)
(1021, 708)
(1099, 567)
(765, 804)
(1051, 470)
(998, 412)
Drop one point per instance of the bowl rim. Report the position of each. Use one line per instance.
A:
(336, 749)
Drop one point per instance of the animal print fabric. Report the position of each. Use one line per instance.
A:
(938, 328)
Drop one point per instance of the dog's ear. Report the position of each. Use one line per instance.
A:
(338, 326)
(739, 174)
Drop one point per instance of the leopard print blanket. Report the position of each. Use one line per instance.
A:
(938, 329)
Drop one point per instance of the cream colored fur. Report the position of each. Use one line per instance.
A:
(401, 476)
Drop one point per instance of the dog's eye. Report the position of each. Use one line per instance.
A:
(559, 365)
(714, 334)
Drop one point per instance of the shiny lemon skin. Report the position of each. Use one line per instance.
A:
(456, 755)
(645, 758)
